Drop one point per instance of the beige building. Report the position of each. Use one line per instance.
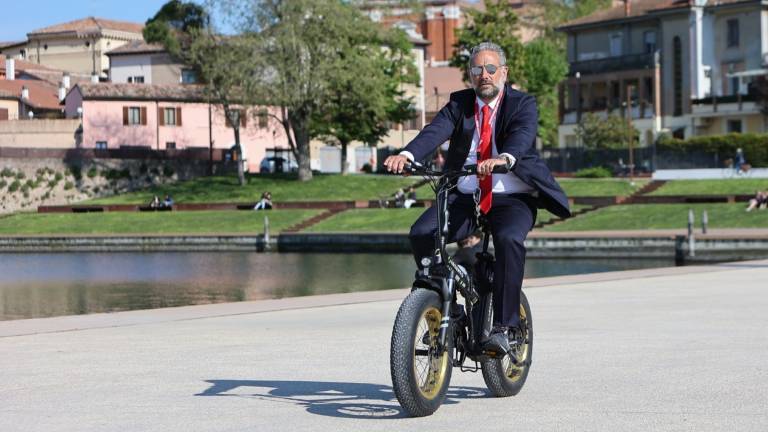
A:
(684, 67)
(140, 62)
(78, 46)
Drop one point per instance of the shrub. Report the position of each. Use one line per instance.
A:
(68, 185)
(7, 172)
(52, 183)
(754, 146)
(96, 190)
(58, 177)
(20, 175)
(168, 171)
(14, 186)
(76, 172)
(92, 172)
(143, 168)
(367, 168)
(594, 172)
(3, 184)
(25, 188)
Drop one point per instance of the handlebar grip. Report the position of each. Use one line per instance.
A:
(500, 169)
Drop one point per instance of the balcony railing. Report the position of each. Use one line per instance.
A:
(612, 64)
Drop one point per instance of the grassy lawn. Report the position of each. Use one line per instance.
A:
(712, 187)
(663, 216)
(323, 187)
(600, 187)
(369, 220)
(384, 220)
(198, 222)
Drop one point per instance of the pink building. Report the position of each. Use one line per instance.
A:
(167, 117)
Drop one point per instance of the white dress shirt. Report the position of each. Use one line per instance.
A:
(501, 183)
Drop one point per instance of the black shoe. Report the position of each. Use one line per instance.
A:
(498, 341)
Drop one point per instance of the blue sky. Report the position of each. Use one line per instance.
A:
(18, 17)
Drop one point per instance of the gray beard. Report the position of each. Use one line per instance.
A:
(487, 93)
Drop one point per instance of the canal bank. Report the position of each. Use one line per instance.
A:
(717, 245)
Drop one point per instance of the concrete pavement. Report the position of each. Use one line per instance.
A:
(668, 349)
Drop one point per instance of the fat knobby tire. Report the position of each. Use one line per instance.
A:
(401, 361)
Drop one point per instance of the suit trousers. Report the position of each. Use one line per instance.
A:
(510, 219)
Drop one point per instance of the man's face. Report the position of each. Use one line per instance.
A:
(487, 85)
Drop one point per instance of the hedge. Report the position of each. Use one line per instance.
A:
(754, 146)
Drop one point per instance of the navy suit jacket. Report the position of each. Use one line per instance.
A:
(516, 126)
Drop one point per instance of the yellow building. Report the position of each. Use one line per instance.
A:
(77, 46)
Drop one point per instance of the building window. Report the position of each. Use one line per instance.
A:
(677, 76)
(616, 45)
(170, 145)
(263, 119)
(169, 116)
(188, 76)
(733, 32)
(136, 79)
(734, 126)
(134, 116)
(101, 145)
(649, 38)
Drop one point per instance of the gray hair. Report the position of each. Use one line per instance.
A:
(488, 46)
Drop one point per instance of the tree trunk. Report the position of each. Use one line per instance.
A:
(239, 155)
(344, 169)
(301, 133)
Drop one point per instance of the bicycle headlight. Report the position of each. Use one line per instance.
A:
(426, 262)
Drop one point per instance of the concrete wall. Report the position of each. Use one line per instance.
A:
(57, 133)
(165, 70)
(122, 67)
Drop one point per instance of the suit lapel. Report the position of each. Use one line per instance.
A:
(468, 126)
(501, 118)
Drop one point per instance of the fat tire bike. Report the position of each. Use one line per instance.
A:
(433, 332)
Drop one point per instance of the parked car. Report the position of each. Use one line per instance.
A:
(277, 164)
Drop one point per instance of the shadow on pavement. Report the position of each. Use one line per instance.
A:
(334, 399)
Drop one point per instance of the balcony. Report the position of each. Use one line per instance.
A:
(612, 64)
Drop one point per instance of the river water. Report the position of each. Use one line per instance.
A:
(45, 284)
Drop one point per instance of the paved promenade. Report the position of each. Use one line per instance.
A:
(679, 349)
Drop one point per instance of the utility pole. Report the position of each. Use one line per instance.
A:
(629, 133)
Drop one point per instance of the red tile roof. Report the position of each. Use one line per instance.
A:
(90, 25)
(637, 8)
(45, 73)
(151, 92)
(41, 94)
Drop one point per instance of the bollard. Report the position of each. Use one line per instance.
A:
(704, 222)
(266, 232)
(691, 239)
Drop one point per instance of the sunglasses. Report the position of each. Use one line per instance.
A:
(478, 70)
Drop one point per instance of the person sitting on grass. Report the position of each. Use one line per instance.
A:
(265, 203)
(155, 203)
(168, 201)
(759, 201)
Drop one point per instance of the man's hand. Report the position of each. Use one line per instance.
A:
(395, 163)
(485, 167)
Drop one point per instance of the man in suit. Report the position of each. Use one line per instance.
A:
(489, 125)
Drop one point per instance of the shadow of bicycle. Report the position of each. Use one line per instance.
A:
(333, 399)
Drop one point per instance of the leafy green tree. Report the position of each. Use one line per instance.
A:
(175, 20)
(360, 108)
(314, 59)
(594, 132)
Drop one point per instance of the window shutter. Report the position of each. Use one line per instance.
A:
(143, 115)
(161, 116)
(243, 117)
(178, 116)
(125, 116)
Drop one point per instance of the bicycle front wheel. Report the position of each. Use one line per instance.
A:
(502, 376)
(420, 371)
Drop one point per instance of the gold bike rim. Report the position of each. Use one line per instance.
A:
(513, 372)
(429, 370)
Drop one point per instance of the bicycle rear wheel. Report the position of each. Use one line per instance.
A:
(420, 372)
(502, 376)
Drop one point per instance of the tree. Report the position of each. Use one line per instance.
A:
(172, 22)
(305, 60)
(360, 108)
(594, 132)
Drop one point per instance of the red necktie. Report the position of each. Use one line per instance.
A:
(483, 153)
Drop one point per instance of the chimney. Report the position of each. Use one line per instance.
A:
(627, 8)
(94, 78)
(10, 68)
(25, 93)
(62, 91)
(65, 80)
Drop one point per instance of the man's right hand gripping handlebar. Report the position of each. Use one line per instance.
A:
(396, 163)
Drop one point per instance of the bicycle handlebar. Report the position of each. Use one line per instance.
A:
(417, 168)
